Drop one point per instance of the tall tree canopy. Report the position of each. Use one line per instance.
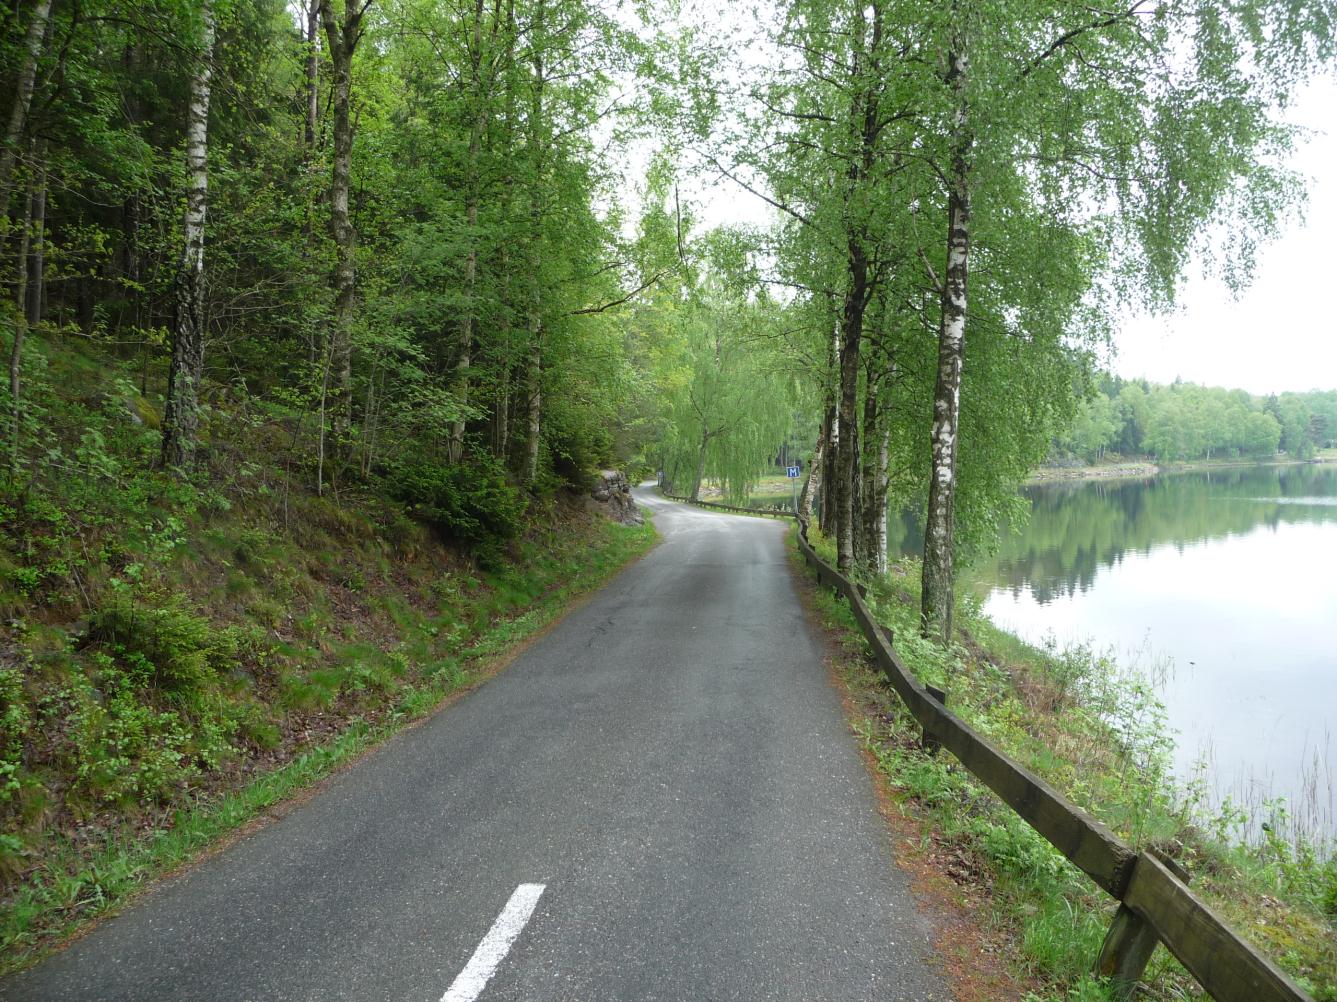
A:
(399, 231)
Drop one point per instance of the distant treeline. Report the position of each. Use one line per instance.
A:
(1185, 421)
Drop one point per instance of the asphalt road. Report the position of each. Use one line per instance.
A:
(670, 772)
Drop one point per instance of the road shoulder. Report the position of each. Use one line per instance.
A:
(972, 951)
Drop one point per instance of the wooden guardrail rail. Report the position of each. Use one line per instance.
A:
(1155, 903)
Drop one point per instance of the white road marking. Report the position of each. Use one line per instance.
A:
(471, 981)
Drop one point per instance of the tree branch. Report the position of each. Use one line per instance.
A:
(1069, 35)
(787, 210)
(618, 302)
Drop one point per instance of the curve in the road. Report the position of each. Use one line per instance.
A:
(670, 763)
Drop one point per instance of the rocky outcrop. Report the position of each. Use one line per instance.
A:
(612, 495)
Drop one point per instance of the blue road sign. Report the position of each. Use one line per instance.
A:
(791, 472)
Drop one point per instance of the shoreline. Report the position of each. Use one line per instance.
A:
(1051, 711)
(1146, 468)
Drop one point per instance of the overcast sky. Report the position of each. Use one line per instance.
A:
(1280, 334)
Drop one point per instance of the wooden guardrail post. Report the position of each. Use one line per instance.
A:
(926, 740)
(1130, 942)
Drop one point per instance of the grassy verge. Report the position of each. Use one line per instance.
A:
(1100, 736)
(74, 879)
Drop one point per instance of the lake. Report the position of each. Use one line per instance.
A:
(1223, 587)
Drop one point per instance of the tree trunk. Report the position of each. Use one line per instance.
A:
(880, 505)
(871, 471)
(455, 449)
(847, 463)
(813, 483)
(877, 444)
(181, 414)
(831, 422)
(863, 130)
(342, 39)
(700, 465)
(37, 252)
(535, 413)
(501, 428)
(501, 435)
(20, 333)
(463, 358)
(531, 465)
(937, 598)
(502, 440)
(312, 74)
(23, 90)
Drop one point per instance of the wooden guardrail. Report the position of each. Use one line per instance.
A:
(1155, 903)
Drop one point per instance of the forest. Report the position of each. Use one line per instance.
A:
(442, 249)
(1184, 422)
(298, 291)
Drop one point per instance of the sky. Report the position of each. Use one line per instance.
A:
(1280, 334)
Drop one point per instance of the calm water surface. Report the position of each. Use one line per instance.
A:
(1224, 586)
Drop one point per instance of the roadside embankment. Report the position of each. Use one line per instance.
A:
(179, 654)
(1099, 736)
(303, 648)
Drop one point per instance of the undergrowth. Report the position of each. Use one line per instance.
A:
(177, 654)
(1100, 735)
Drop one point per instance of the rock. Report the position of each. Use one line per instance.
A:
(611, 492)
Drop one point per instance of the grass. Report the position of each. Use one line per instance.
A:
(78, 882)
(1097, 733)
(177, 652)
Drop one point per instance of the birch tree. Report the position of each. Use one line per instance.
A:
(33, 44)
(940, 523)
(1150, 123)
(181, 415)
(343, 31)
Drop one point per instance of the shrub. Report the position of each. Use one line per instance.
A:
(576, 446)
(126, 751)
(471, 503)
(14, 724)
(166, 647)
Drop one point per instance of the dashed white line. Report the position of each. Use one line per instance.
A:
(471, 981)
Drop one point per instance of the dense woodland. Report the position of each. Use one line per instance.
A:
(382, 221)
(1184, 422)
(274, 266)
(396, 229)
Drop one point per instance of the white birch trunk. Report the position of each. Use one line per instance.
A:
(22, 101)
(312, 74)
(20, 333)
(181, 415)
(813, 483)
(937, 598)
